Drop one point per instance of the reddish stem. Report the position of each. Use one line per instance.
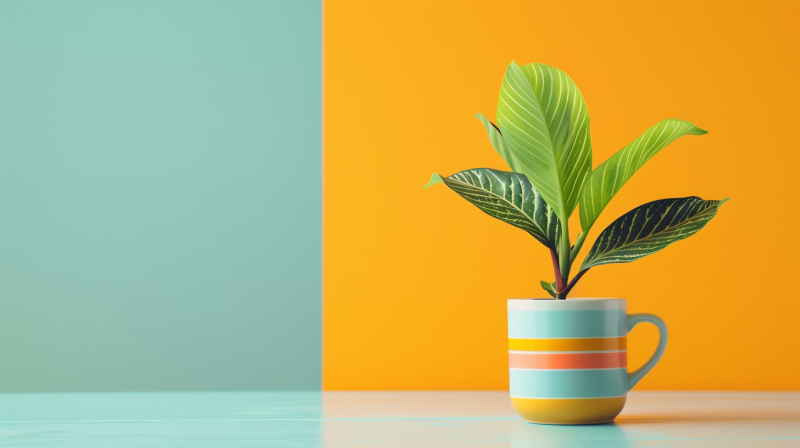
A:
(574, 280)
(557, 271)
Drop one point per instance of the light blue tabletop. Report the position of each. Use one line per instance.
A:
(385, 419)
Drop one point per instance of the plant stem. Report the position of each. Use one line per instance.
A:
(572, 283)
(556, 271)
(577, 247)
(564, 252)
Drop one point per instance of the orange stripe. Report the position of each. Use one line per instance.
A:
(567, 360)
(568, 345)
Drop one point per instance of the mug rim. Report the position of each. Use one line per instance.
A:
(567, 300)
(578, 303)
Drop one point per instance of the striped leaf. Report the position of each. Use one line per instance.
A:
(649, 228)
(497, 142)
(509, 197)
(605, 181)
(545, 125)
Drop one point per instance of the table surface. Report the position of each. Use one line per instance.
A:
(386, 419)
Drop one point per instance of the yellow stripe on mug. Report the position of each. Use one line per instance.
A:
(567, 344)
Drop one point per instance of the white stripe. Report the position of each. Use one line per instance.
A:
(571, 304)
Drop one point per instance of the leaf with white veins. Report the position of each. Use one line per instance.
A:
(545, 125)
(649, 228)
(605, 181)
(509, 197)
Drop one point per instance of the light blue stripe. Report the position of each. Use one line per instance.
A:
(566, 324)
(584, 383)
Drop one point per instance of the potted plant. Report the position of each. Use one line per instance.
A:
(567, 359)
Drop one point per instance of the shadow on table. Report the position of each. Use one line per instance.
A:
(445, 419)
(509, 433)
(595, 436)
(655, 418)
(707, 407)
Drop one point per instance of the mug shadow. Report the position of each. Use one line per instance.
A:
(706, 407)
(655, 418)
(605, 435)
(658, 417)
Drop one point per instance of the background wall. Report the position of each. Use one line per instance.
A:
(416, 281)
(160, 167)
(160, 188)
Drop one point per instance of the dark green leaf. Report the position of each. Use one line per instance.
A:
(509, 197)
(649, 228)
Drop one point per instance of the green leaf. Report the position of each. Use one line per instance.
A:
(548, 287)
(435, 179)
(545, 125)
(605, 181)
(649, 228)
(497, 142)
(509, 197)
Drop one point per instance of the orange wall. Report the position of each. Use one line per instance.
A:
(416, 281)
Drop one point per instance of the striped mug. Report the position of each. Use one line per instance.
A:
(568, 359)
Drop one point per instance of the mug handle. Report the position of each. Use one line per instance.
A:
(633, 319)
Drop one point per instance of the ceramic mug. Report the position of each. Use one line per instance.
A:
(568, 359)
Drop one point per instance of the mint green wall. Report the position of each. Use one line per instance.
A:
(160, 195)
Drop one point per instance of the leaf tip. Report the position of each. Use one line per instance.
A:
(513, 66)
(489, 126)
(435, 179)
(693, 129)
(723, 201)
